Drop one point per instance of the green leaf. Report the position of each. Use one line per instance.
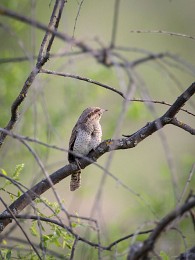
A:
(74, 224)
(11, 197)
(3, 172)
(19, 193)
(56, 242)
(33, 229)
(4, 242)
(68, 245)
(46, 238)
(164, 256)
(17, 171)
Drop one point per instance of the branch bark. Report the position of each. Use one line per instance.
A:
(129, 141)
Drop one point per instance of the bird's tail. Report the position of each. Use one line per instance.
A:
(75, 181)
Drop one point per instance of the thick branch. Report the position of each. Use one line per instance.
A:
(106, 146)
(142, 250)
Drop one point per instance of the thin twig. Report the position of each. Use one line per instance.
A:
(77, 237)
(115, 23)
(76, 19)
(38, 160)
(73, 248)
(42, 59)
(68, 75)
(22, 188)
(192, 170)
(24, 242)
(183, 126)
(164, 32)
(143, 250)
(21, 228)
(130, 141)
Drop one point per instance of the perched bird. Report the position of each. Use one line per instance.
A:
(86, 136)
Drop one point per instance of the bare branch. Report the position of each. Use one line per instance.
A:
(192, 170)
(37, 245)
(164, 32)
(32, 22)
(68, 75)
(183, 126)
(108, 55)
(76, 19)
(115, 23)
(49, 37)
(18, 224)
(77, 237)
(73, 249)
(42, 59)
(141, 251)
(130, 141)
(34, 57)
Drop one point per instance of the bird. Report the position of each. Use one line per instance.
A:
(85, 137)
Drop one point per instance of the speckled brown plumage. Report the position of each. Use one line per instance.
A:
(86, 136)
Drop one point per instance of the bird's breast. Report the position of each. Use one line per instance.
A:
(85, 141)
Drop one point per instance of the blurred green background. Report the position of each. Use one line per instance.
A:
(54, 103)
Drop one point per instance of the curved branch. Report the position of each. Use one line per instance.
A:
(100, 55)
(77, 237)
(130, 141)
(141, 251)
(68, 75)
(21, 228)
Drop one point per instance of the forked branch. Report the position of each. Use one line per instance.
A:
(41, 60)
(129, 141)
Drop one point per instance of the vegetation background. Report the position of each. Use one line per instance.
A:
(156, 171)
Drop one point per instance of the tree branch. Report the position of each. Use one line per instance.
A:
(120, 93)
(183, 126)
(130, 141)
(77, 237)
(141, 251)
(42, 59)
(21, 228)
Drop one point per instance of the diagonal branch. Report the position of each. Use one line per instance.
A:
(129, 141)
(183, 126)
(6, 12)
(103, 85)
(42, 59)
(21, 228)
(141, 251)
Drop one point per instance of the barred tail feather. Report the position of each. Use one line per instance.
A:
(75, 182)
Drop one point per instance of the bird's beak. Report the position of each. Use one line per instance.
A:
(104, 110)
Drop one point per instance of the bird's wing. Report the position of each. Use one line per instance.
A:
(71, 157)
